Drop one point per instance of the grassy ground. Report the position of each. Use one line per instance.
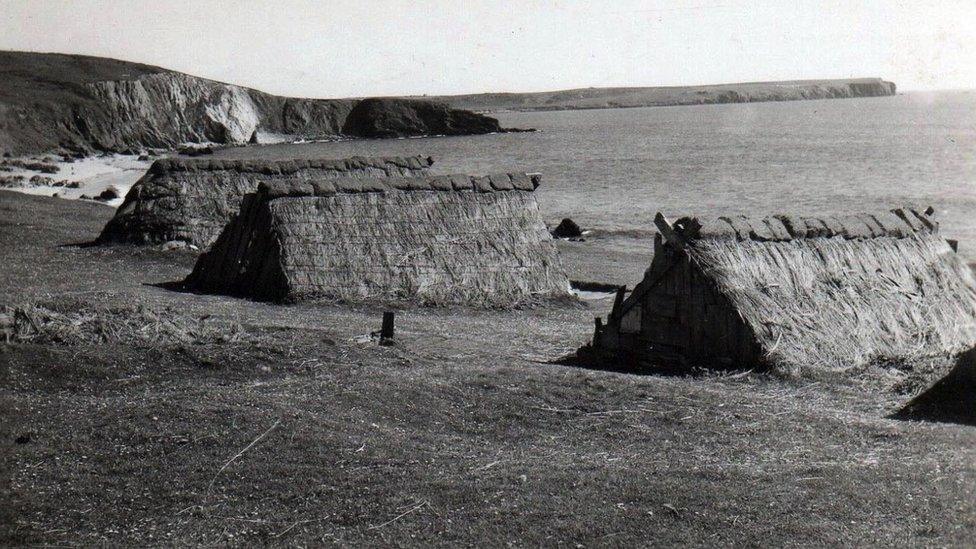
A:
(295, 432)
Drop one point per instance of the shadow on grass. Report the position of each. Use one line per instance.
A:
(180, 287)
(952, 399)
(89, 244)
(171, 285)
(588, 358)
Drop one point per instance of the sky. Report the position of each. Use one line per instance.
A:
(339, 48)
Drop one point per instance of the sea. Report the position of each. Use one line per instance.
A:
(614, 169)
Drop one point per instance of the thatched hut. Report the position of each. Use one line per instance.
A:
(193, 199)
(792, 292)
(447, 239)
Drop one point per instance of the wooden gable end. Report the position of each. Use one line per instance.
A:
(684, 316)
(677, 315)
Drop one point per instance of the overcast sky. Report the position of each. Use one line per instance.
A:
(386, 47)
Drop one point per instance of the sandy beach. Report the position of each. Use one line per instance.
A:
(88, 176)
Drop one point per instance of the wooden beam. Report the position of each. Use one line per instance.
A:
(666, 230)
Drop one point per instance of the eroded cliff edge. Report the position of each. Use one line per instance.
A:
(54, 101)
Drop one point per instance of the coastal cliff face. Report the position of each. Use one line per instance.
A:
(606, 98)
(800, 91)
(163, 110)
(53, 101)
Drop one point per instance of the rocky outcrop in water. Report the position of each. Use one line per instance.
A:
(53, 101)
(386, 117)
(567, 228)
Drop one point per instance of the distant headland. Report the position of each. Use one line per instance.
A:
(611, 98)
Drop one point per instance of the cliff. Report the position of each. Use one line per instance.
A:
(608, 98)
(56, 101)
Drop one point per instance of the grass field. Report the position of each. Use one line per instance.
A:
(292, 431)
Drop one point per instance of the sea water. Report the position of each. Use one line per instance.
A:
(613, 169)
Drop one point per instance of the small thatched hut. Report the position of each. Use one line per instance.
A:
(193, 199)
(792, 293)
(446, 239)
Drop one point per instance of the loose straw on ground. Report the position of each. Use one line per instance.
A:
(239, 454)
(400, 516)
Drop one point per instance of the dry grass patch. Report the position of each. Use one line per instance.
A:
(73, 321)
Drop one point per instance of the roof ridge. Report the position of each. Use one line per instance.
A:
(516, 181)
(896, 223)
(287, 166)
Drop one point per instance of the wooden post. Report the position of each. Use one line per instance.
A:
(386, 332)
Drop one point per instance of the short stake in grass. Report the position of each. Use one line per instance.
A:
(386, 331)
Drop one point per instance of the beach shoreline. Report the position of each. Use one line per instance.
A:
(77, 178)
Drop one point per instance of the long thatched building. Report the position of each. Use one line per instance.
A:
(447, 239)
(792, 293)
(193, 199)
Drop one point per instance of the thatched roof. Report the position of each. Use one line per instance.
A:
(448, 239)
(835, 292)
(193, 199)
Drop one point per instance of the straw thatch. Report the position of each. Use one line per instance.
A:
(193, 199)
(447, 239)
(71, 321)
(798, 293)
